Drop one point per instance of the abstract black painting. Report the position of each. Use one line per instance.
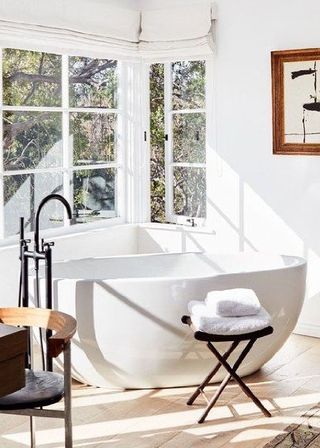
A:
(296, 101)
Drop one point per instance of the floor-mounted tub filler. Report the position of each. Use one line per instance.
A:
(129, 312)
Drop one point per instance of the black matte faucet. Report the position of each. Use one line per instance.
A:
(45, 254)
(37, 220)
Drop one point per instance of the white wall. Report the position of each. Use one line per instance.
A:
(153, 238)
(262, 201)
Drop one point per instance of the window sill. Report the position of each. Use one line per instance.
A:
(179, 228)
(61, 232)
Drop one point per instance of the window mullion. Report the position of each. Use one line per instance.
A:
(189, 164)
(97, 110)
(32, 109)
(66, 139)
(1, 154)
(98, 166)
(31, 171)
(188, 111)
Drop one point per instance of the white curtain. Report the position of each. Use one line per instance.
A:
(94, 27)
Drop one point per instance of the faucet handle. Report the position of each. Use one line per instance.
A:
(192, 221)
(46, 245)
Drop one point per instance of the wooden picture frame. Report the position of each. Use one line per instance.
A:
(296, 101)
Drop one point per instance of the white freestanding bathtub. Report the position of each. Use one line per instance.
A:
(129, 308)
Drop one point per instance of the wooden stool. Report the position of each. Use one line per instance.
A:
(222, 361)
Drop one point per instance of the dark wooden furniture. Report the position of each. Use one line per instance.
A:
(13, 347)
(222, 361)
(43, 388)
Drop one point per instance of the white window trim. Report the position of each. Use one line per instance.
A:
(67, 168)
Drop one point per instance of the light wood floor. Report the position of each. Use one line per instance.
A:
(289, 385)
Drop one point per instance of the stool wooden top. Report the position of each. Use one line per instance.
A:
(202, 336)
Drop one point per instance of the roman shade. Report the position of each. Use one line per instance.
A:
(96, 27)
(177, 29)
(73, 26)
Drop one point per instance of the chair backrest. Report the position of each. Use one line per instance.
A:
(62, 324)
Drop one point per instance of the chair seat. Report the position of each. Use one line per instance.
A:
(42, 389)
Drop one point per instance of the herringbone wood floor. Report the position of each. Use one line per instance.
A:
(289, 385)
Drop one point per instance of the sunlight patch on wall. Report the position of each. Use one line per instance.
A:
(223, 210)
(266, 229)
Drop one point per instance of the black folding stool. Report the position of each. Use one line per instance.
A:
(222, 361)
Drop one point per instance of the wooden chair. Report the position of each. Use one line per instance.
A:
(222, 361)
(43, 387)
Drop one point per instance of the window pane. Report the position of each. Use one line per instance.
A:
(92, 82)
(32, 140)
(93, 137)
(157, 146)
(188, 84)
(189, 137)
(31, 78)
(189, 191)
(94, 194)
(22, 195)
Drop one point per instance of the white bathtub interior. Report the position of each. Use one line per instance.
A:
(123, 239)
(188, 265)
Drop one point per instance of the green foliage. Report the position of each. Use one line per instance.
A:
(31, 78)
(188, 85)
(93, 137)
(94, 190)
(189, 137)
(157, 130)
(93, 82)
(189, 192)
(32, 140)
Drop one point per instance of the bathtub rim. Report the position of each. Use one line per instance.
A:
(299, 262)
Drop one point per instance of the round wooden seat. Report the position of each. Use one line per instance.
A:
(42, 389)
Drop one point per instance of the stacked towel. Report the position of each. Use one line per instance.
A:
(233, 302)
(229, 312)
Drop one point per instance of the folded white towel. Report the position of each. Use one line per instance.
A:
(204, 319)
(233, 302)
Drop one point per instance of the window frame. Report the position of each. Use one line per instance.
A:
(170, 216)
(67, 168)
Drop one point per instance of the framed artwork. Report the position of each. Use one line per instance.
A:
(296, 101)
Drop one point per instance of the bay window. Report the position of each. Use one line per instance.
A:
(64, 131)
